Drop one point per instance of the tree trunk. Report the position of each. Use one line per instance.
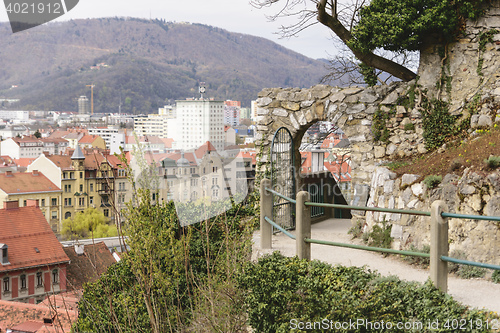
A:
(368, 58)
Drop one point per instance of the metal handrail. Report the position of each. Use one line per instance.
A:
(281, 195)
(368, 248)
(277, 226)
(470, 263)
(374, 209)
(386, 210)
(472, 217)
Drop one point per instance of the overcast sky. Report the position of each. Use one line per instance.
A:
(233, 15)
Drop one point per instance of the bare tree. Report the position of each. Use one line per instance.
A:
(340, 18)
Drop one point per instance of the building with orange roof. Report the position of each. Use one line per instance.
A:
(25, 186)
(92, 141)
(40, 318)
(96, 180)
(33, 262)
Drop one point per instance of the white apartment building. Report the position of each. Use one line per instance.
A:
(198, 121)
(151, 124)
(105, 132)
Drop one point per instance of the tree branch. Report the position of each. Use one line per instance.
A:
(369, 58)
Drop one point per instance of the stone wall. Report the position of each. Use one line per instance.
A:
(471, 193)
(352, 110)
(471, 71)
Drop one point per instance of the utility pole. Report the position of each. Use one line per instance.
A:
(91, 97)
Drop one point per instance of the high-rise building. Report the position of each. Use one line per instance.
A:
(232, 112)
(83, 105)
(198, 121)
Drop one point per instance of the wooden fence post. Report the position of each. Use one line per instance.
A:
(266, 209)
(439, 245)
(303, 226)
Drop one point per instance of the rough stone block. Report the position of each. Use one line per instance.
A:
(264, 101)
(280, 112)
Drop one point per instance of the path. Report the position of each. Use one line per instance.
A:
(476, 293)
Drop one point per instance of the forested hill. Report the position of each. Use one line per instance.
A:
(145, 63)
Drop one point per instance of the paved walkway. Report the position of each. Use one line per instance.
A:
(476, 293)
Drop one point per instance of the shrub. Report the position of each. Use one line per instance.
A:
(493, 162)
(419, 261)
(381, 235)
(495, 277)
(432, 181)
(456, 164)
(409, 127)
(465, 271)
(281, 290)
(357, 229)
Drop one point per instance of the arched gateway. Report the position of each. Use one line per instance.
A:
(351, 109)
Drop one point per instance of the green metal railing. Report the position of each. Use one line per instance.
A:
(277, 226)
(443, 258)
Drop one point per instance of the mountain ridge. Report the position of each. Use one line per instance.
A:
(149, 63)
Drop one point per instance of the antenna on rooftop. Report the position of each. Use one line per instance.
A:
(202, 89)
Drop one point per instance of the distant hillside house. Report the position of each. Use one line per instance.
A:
(32, 261)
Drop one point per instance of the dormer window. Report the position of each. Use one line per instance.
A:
(4, 260)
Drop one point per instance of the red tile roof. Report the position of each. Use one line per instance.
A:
(249, 154)
(30, 240)
(207, 146)
(24, 161)
(87, 267)
(26, 182)
(62, 161)
(23, 315)
(168, 142)
(87, 139)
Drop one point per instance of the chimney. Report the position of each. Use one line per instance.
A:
(79, 249)
(32, 203)
(13, 204)
(35, 173)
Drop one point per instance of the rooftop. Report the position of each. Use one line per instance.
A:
(30, 239)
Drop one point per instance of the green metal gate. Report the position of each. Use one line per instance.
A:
(283, 177)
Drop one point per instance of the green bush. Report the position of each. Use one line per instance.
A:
(381, 235)
(357, 229)
(465, 271)
(282, 291)
(493, 162)
(409, 127)
(495, 277)
(419, 261)
(432, 181)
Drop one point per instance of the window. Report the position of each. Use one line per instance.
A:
(54, 214)
(67, 188)
(214, 181)
(39, 279)
(81, 187)
(91, 200)
(67, 201)
(24, 203)
(91, 187)
(214, 169)
(81, 175)
(71, 175)
(23, 281)
(6, 284)
(55, 276)
(194, 182)
(54, 201)
(81, 201)
(106, 212)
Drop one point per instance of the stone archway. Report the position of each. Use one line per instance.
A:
(351, 109)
